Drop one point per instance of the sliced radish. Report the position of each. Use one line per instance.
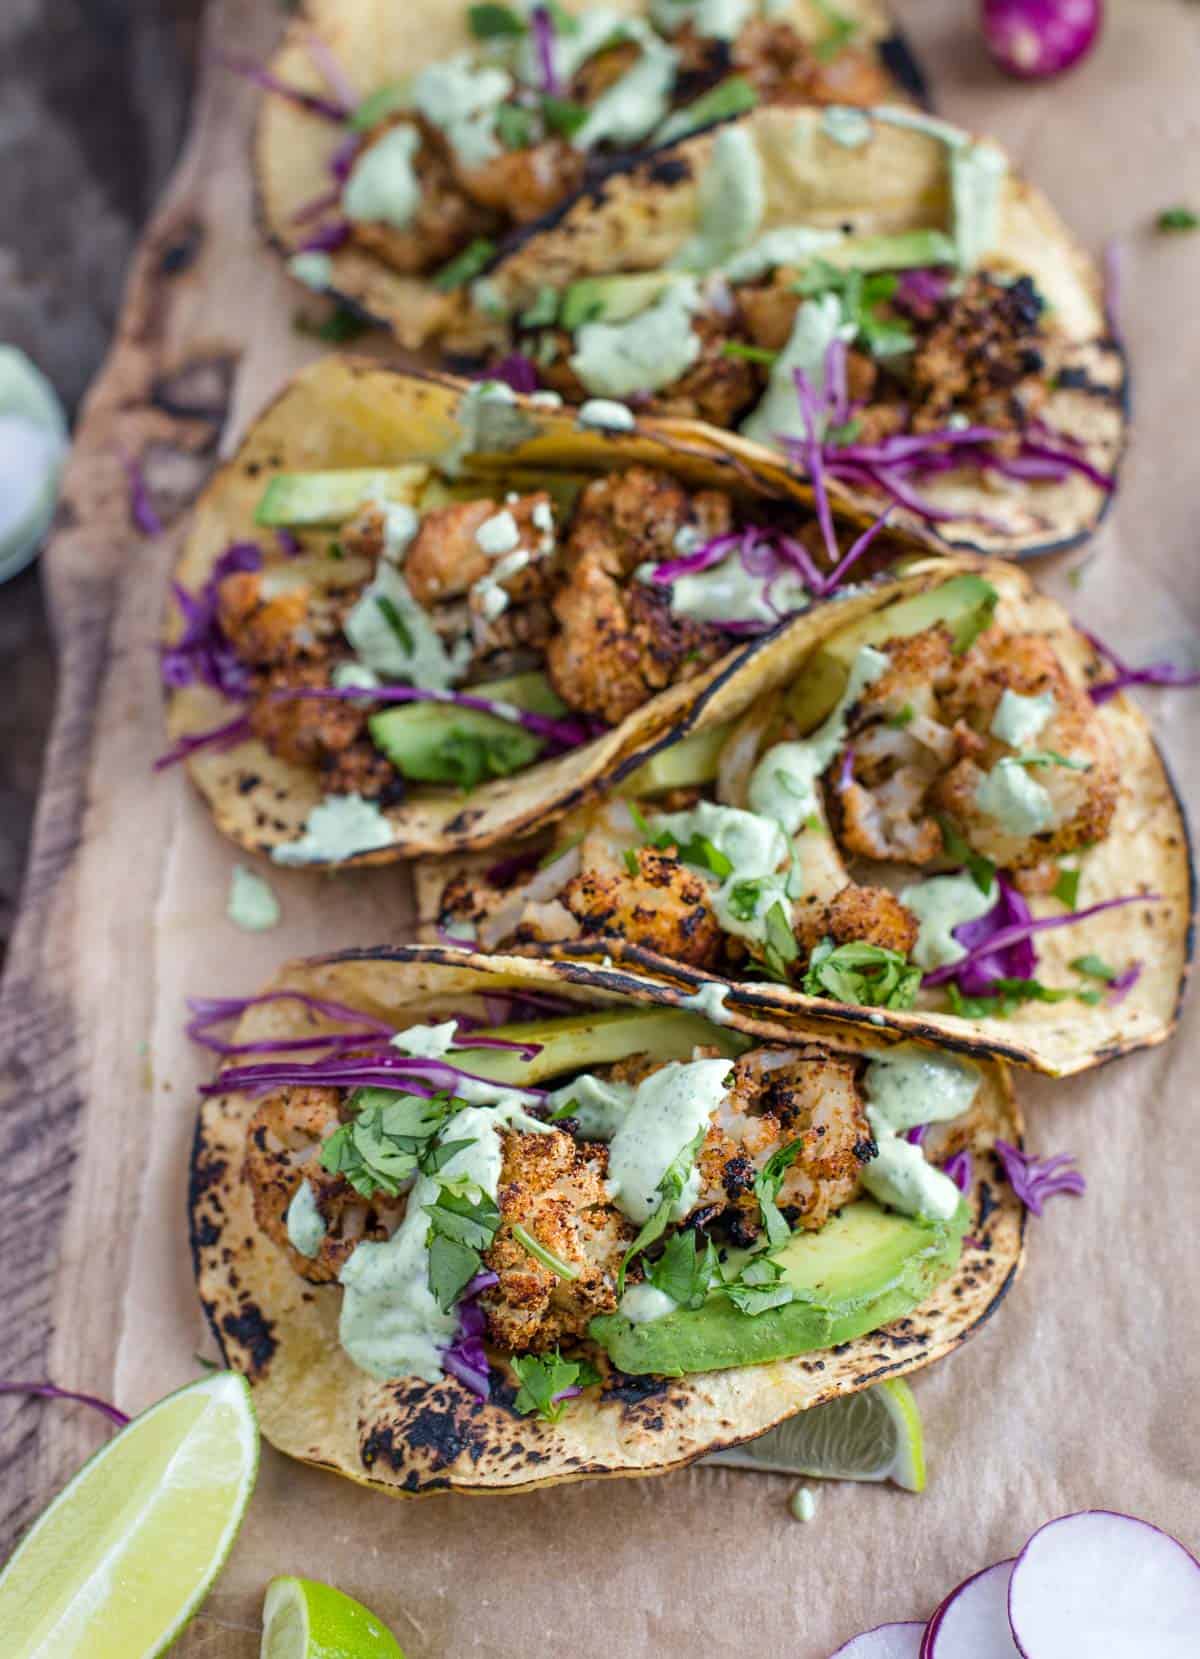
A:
(972, 1622)
(888, 1641)
(1106, 1584)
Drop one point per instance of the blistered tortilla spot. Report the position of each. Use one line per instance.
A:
(255, 1335)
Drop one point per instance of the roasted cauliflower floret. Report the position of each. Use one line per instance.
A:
(664, 907)
(283, 1147)
(870, 915)
(553, 1187)
(312, 731)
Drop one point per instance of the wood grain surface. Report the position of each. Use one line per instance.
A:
(95, 1098)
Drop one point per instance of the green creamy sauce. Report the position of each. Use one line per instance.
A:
(756, 847)
(977, 172)
(305, 1223)
(711, 19)
(784, 783)
(252, 905)
(941, 904)
(593, 28)
(428, 1042)
(603, 414)
(669, 1109)
(819, 322)
(634, 105)
(909, 1085)
(488, 419)
(642, 1303)
(729, 593)
(599, 1107)
(413, 651)
(337, 829)
(644, 353)
(710, 1001)
(902, 1178)
(1011, 796)
(313, 269)
(1018, 720)
(731, 201)
(391, 1324)
(851, 128)
(383, 186)
(461, 99)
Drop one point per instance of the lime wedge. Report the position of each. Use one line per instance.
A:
(304, 1620)
(874, 1435)
(123, 1556)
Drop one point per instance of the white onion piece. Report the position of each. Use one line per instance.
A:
(888, 1641)
(972, 1622)
(1105, 1584)
(542, 885)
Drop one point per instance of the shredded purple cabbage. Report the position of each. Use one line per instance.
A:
(220, 737)
(917, 1136)
(542, 25)
(341, 162)
(51, 1391)
(258, 76)
(516, 370)
(1114, 262)
(466, 1358)
(961, 1170)
(845, 775)
(567, 734)
(317, 206)
(511, 1007)
(1034, 1180)
(1014, 961)
(331, 72)
(1155, 673)
(814, 453)
(208, 1012)
(390, 1069)
(202, 653)
(141, 509)
(326, 238)
(1120, 987)
(921, 290)
(1006, 937)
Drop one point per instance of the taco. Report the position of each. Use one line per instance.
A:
(382, 644)
(923, 822)
(874, 295)
(494, 1224)
(396, 152)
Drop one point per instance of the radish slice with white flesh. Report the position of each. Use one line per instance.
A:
(972, 1622)
(888, 1641)
(1106, 1584)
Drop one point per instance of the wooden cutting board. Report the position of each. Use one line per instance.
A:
(124, 912)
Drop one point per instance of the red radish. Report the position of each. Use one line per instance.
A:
(887, 1641)
(1102, 1583)
(972, 1622)
(1033, 39)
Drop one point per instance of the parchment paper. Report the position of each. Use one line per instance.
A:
(1082, 1391)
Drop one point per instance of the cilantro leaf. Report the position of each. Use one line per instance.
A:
(631, 862)
(544, 1379)
(982, 870)
(1047, 757)
(965, 632)
(562, 115)
(383, 1142)
(743, 898)
(766, 1189)
(683, 1272)
(1009, 996)
(494, 22)
(342, 324)
(861, 295)
(902, 717)
(465, 1212)
(515, 126)
(1066, 888)
(759, 1286)
(452, 1266)
(747, 353)
(465, 266)
(842, 30)
(395, 622)
(1094, 967)
(541, 1253)
(861, 973)
(780, 947)
(1177, 219)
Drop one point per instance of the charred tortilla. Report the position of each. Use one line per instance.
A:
(1005, 327)
(413, 1438)
(350, 414)
(1144, 947)
(298, 152)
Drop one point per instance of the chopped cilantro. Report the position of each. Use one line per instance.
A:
(342, 324)
(1094, 967)
(861, 294)
(631, 862)
(759, 1286)
(1177, 219)
(382, 1145)
(562, 115)
(516, 126)
(494, 22)
(1048, 757)
(967, 631)
(540, 1253)
(465, 266)
(670, 1191)
(867, 975)
(766, 1189)
(452, 1266)
(336, 550)
(902, 717)
(542, 310)
(683, 1272)
(742, 900)
(545, 1378)
(844, 432)
(751, 354)
(395, 622)
(1066, 888)
(842, 30)
(732, 96)
(780, 947)
(700, 851)
(982, 870)
(1009, 995)
(462, 1223)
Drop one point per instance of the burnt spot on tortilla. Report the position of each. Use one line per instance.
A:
(462, 821)
(254, 1334)
(988, 1204)
(900, 62)
(669, 170)
(630, 1390)
(247, 782)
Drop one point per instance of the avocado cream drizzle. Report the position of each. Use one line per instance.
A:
(383, 186)
(909, 1085)
(634, 105)
(305, 1223)
(644, 353)
(669, 1109)
(941, 904)
(336, 829)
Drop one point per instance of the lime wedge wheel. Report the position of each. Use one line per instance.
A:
(124, 1555)
(874, 1435)
(305, 1620)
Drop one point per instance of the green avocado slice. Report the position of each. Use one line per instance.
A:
(444, 743)
(612, 299)
(299, 499)
(864, 1268)
(580, 1042)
